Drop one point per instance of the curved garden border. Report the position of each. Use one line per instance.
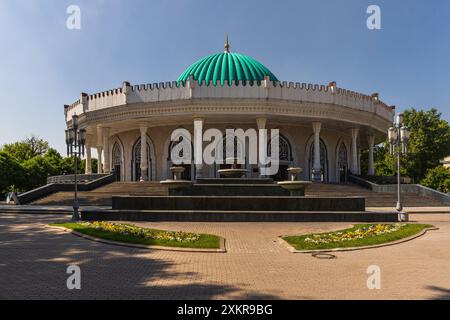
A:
(293, 250)
(222, 248)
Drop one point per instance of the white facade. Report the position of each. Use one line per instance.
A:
(323, 127)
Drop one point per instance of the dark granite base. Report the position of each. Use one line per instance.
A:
(220, 216)
(234, 181)
(239, 203)
(217, 189)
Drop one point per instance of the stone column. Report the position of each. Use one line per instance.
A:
(359, 161)
(107, 162)
(99, 149)
(144, 156)
(316, 166)
(261, 123)
(371, 170)
(198, 147)
(354, 168)
(99, 161)
(88, 166)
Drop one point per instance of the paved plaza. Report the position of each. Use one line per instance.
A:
(34, 259)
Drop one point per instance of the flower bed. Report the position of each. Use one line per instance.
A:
(360, 235)
(132, 230)
(134, 234)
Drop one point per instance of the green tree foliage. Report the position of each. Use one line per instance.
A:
(429, 143)
(11, 173)
(37, 170)
(27, 149)
(67, 165)
(438, 178)
(26, 164)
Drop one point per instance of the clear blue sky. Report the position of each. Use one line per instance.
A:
(43, 65)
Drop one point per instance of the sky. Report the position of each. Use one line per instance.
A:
(44, 65)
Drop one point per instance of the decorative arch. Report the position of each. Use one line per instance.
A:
(286, 158)
(136, 160)
(189, 172)
(309, 161)
(117, 149)
(240, 148)
(342, 161)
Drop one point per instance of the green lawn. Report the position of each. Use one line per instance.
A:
(128, 233)
(333, 240)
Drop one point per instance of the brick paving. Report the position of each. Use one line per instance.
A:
(33, 262)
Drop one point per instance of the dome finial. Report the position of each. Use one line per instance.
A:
(227, 45)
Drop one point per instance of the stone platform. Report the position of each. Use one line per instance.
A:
(231, 187)
(237, 216)
(235, 199)
(238, 203)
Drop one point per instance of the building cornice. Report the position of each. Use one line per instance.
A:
(181, 95)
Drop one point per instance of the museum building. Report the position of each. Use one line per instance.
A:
(322, 128)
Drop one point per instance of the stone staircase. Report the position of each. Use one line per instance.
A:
(373, 199)
(102, 196)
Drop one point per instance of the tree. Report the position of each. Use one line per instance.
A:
(438, 178)
(38, 169)
(12, 174)
(429, 143)
(27, 164)
(67, 166)
(27, 149)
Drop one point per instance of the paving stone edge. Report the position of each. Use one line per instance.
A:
(222, 248)
(293, 250)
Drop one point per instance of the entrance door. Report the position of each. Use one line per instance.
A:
(342, 174)
(342, 163)
(117, 172)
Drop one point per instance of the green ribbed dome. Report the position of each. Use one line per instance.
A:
(227, 67)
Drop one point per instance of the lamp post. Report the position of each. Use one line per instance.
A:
(398, 136)
(75, 141)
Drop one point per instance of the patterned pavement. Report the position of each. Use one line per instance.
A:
(33, 262)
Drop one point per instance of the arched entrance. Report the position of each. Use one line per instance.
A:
(323, 162)
(136, 162)
(117, 161)
(285, 158)
(239, 151)
(189, 169)
(342, 163)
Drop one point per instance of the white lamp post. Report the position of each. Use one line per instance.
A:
(398, 136)
(75, 141)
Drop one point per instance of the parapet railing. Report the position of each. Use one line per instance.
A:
(406, 188)
(70, 178)
(264, 89)
(53, 187)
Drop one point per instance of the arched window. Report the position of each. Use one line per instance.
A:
(323, 162)
(136, 161)
(188, 168)
(342, 163)
(117, 161)
(284, 156)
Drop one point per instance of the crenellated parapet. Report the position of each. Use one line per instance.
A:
(266, 89)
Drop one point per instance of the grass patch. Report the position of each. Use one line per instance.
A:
(128, 233)
(358, 236)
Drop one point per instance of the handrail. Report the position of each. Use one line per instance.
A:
(48, 189)
(407, 188)
(70, 178)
